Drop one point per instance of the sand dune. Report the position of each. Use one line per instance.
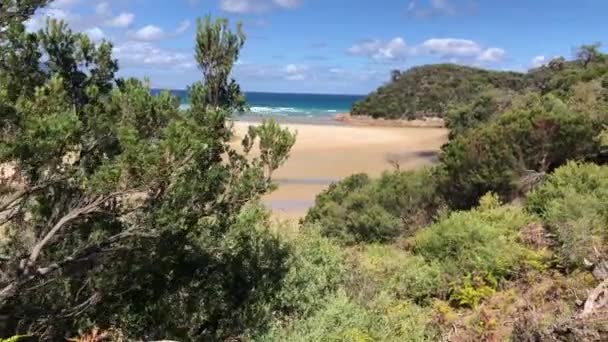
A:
(325, 153)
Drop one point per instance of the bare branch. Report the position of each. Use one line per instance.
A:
(71, 216)
(597, 300)
(11, 201)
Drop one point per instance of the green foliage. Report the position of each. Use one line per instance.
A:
(275, 143)
(346, 212)
(436, 90)
(486, 107)
(316, 270)
(538, 134)
(123, 210)
(127, 213)
(15, 338)
(409, 195)
(473, 290)
(387, 269)
(217, 49)
(574, 203)
(341, 319)
(589, 53)
(14, 12)
(432, 90)
(360, 210)
(480, 241)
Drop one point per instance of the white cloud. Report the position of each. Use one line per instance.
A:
(95, 33)
(394, 49)
(539, 61)
(124, 19)
(491, 55)
(39, 21)
(365, 48)
(256, 6)
(295, 72)
(183, 27)
(459, 50)
(451, 49)
(149, 33)
(133, 53)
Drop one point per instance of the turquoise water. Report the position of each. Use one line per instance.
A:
(315, 106)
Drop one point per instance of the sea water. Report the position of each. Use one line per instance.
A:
(289, 107)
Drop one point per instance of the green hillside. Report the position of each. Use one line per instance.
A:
(431, 89)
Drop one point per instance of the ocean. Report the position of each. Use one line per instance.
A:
(289, 107)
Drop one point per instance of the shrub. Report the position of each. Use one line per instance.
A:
(400, 274)
(338, 320)
(316, 269)
(538, 134)
(473, 290)
(341, 319)
(574, 203)
(480, 241)
(474, 164)
(359, 209)
(337, 192)
(346, 211)
(486, 107)
(410, 195)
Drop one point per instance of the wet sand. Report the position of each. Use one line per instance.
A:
(327, 153)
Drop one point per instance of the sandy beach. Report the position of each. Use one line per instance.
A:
(327, 153)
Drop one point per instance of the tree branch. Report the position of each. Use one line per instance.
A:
(9, 202)
(84, 254)
(71, 216)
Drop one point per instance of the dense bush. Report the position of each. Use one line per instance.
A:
(409, 195)
(387, 269)
(341, 319)
(487, 106)
(537, 135)
(574, 203)
(346, 212)
(360, 210)
(316, 271)
(483, 241)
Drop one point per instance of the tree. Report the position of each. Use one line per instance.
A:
(217, 49)
(17, 11)
(557, 64)
(588, 53)
(117, 208)
(275, 144)
(537, 135)
(395, 74)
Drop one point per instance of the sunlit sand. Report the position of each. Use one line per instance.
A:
(324, 154)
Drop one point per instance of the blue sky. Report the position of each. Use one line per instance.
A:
(335, 46)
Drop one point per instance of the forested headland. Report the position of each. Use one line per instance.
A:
(124, 217)
(436, 90)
